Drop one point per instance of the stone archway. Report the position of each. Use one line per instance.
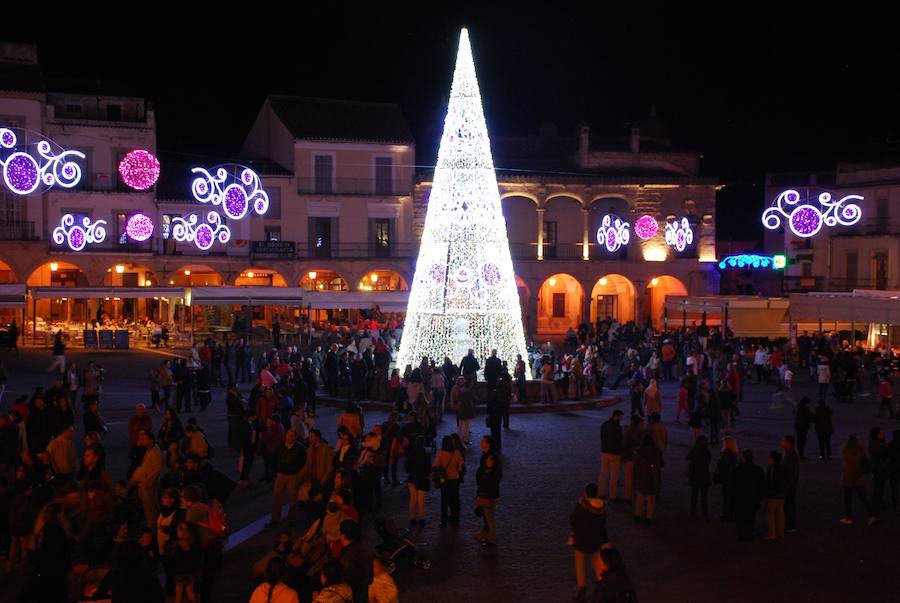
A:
(613, 295)
(560, 302)
(657, 289)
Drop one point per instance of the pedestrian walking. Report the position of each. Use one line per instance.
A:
(59, 354)
(588, 535)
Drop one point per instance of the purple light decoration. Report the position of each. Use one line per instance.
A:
(806, 220)
(139, 169)
(139, 227)
(234, 187)
(646, 227)
(437, 272)
(25, 170)
(21, 174)
(203, 235)
(679, 234)
(78, 236)
(491, 275)
(613, 233)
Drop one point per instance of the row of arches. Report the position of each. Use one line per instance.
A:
(68, 274)
(561, 300)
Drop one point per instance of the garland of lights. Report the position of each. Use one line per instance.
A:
(747, 260)
(646, 227)
(463, 294)
(23, 172)
(139, 169)
(235, 193)
(79, 236)
(806, 220)
(678, 235)
(139, 227)
(613, 233)
(203, 235)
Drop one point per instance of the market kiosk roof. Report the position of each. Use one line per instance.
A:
(860, 305)
(12, 296)
(249, 296)
(104, 292)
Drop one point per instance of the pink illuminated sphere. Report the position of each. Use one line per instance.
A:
(139, 227)
(646, 227)
(139, 169)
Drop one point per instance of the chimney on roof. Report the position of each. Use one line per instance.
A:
(635, 139)
(584, 136)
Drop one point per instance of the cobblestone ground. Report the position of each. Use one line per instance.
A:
(547, 460)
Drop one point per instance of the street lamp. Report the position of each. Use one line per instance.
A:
(54, 266)
(120, 268)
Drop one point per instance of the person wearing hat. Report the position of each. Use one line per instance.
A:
(611, 441)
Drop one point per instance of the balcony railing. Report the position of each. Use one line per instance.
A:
(354, 186)
(17, 231)
(869, 227)
(800, 284)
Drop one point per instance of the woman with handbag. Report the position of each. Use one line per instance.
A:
(418, 465)
(446, 471)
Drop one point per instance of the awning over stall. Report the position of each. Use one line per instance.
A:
(247, 296)
(747, 316)
(387, 301)
(860, 306)
(104, 292)
(12, 296)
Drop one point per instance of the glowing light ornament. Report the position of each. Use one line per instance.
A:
(679, 235)
(24, 171)
(203, 235)
(613, 233)
(464, 293)
(139, 169)
(646, 227)
(806, 220)
(139, 227)
(78, 236)
(235, 187)
(747, 260)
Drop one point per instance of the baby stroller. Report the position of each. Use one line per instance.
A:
(396, 545)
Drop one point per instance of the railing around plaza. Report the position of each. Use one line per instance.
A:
(355, 186)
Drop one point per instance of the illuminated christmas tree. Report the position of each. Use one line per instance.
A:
(464, 292)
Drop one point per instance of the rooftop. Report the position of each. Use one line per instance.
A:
(342, 120)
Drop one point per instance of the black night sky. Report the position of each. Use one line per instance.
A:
(753, 88)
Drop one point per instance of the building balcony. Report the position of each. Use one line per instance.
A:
(17, 231)
(355, 186)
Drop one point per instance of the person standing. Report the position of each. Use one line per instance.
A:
(803, 420)
(611, 441)
(146, 477)
(494, 419)
(588, 535)
(748, 483)
(652, 399)
(824, 430)
(823, 376)
(879, 462)
(418, 465)
(547, 381)
(631, 441)
(59, 354)
(728, 460)
(647, 479)
(465, 410)
(165, 384)
(449, 462)
(699, 460)
(492, 370)
(853, 481)
(886, 395)
(775, 494)
(289, 463)
(488, 479)
(63, 456)
(519, 374)
(790, 463)
(469, 366)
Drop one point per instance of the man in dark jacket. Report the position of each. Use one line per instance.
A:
(791, 465)
(492, 370)
(469, 366)
(748, 483)
(356, 561)
(588, 524)
(291, 458)
(611, 441)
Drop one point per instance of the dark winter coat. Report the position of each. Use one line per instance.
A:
(823, 422)
(648, 470)
(699, 460)
(588, 523)
(791, 465)
(611, 437)
(776, 481)
(748, 484)
(291, 460)
(418, 465)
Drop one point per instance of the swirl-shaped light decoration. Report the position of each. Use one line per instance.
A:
(613, 233)
(24, 171)
(679, 234)
(806, 220)
(203, 235)
(235, 187)
(646, 227)
(139, 169)
(79, 236)
(747, 260)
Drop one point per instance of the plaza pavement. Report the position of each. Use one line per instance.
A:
(547, 459)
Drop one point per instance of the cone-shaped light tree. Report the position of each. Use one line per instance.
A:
(464, 292)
